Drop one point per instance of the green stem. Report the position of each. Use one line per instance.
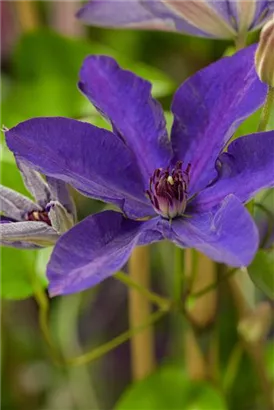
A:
(268, 108)
(233, 366)
(179, 273)
(43, 304)
(240, 41)
(117, 341)
(160, 301)
(194, 268)
(213, 285)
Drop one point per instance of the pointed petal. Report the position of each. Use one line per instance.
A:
(59, 192)
(14, 204)
(35, 184)
(116, 13)
(209, 107)
(126, 100)
(60, 219)
(93, 160)
(227, 234)
(36, 233)
(95, 249)
(207, 18)
(245, 169)
(252, 14)
(243, 12)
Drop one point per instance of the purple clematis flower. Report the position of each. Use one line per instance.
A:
(206, 18)
(28, 224)
(183, 188)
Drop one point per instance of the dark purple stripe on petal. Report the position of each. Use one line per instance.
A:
(95, 249)
(246, 168)
(209, 107)
(126, 100)
(91, 159)
(226, 234)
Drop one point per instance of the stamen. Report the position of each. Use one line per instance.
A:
(39, 216)
(168, 190)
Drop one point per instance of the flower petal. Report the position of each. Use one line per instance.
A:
(199, 17)
(31, 232)
(95, 249)
(14, 204)
(113, 13)
(250, 15)
(227, 234)
(61, 220)
(246, 168)
(126, 100)
(59, 192)
(209, 107)
(35, 184)
(91, 159)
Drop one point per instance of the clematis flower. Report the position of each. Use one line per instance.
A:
(206, 18)
(183, 188)
(28, 224)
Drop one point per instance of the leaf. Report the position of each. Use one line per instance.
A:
(261, 272)
(169, 388)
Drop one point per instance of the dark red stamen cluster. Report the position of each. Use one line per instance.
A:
(41, 216)
(168, 190)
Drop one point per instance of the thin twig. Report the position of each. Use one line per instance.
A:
(117, 341)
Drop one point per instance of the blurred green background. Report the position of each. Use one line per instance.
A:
(43, 47)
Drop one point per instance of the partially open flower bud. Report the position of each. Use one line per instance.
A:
(264, 58)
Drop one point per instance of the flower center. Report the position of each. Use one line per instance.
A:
(41, 216)
(168, 190)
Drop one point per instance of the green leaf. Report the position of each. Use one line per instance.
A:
(169, 388)
(261, 271)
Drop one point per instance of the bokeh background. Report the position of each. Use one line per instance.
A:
(42, 48)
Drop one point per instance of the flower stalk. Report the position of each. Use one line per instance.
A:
(158, 300)
(142, 344)
(117, 341)
(27, 15)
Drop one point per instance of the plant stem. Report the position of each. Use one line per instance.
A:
(158, 300)
(255, 350)
(43, 304)
(117, 341)
(232, 366)
(62, 18)
(268, 108)
(78, 379)
(202, 273)
(27, 15)
(141, 344)
(179, 279)
(240, 41)
(213, 285)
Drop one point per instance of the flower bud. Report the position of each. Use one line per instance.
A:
(264, 57)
